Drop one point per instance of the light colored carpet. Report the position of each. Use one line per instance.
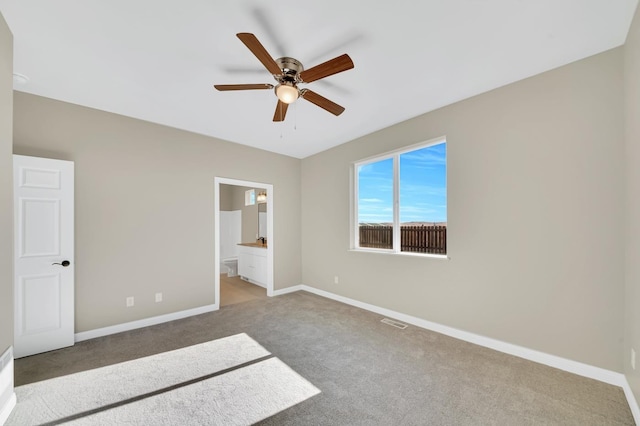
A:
(229, 381)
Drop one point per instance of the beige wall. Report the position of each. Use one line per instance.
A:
(6, 188)
(249, 214)
(144, 207)
(226, 200)
(632, 210)
(535, 225)
(233, 197)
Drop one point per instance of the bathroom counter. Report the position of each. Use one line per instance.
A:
(258, 245)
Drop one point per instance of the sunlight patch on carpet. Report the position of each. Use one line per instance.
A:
(232, 380)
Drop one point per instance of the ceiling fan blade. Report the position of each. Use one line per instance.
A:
(321, 101)
(281, 111)
(325, 69)
(260, 52)
(224, 87)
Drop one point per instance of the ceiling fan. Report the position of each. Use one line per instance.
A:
(289, 72)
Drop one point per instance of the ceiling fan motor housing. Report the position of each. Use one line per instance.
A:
(291, 69)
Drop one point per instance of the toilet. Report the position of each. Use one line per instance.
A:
(232, 266)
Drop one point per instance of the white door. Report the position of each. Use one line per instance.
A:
(44, 265)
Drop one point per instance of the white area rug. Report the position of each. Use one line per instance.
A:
(186, 386)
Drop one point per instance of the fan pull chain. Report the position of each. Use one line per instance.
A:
(295, 116)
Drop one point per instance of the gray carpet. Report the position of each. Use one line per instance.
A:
(367, 372)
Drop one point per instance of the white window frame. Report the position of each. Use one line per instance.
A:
(250, 197)
(354, 222)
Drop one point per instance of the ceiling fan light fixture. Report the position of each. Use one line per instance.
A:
(287, 93)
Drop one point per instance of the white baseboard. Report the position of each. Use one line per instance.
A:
(287, 290)
(6, 410)
(249, 280)
(7, 395)
(118, 328)
(633, 402)
(581, 369)
(105, 331)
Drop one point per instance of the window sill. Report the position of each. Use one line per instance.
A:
(403, 253)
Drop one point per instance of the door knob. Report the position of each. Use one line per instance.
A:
(64, 263)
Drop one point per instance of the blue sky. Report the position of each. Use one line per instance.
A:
(423, 193)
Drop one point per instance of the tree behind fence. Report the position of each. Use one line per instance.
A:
(413, 238)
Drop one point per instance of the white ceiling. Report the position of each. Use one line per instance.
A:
(157, 60)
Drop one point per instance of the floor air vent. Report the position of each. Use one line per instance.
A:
(393, 323)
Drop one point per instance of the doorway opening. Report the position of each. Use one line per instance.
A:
(243, 245)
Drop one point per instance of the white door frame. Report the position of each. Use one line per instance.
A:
(270, 240)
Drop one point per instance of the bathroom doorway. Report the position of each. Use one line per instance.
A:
(249, 206)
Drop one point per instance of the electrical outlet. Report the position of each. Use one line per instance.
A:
(129, 302)
(633, 359)
(336, 280)
(158, 297)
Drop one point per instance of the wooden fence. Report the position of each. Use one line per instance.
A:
(413, 238)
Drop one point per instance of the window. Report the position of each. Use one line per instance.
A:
(401, 200)
(249, 197)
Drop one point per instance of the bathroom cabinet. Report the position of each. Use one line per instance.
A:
(252, 264)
